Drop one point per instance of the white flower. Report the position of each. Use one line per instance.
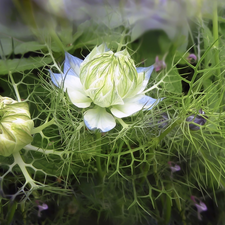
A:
(108, 80)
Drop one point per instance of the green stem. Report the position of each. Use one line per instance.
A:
(11, 212)
(124, 125)
(53, 59)
(183, 217)
(43, 126)
(15, 87)
(44, 151)
(98, 158)
(19, 161)
(216, 37)
(165, 132)
(219, 77)
(120, 45)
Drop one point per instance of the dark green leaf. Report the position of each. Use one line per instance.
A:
(28, 47)
(18, 65)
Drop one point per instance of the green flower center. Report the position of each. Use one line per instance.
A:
(109, 78)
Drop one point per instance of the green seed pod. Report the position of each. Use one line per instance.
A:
(15, 126)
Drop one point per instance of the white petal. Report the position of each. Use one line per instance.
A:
(98, 118)
(57, 78)
(133, 105)
(67, 82)
(76, 92)
(96, 51)
(78, 98)
(148, 72)
(72, 65)
(74, 89)
(72, 82)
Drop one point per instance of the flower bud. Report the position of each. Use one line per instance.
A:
(110, 77)
(15, 126)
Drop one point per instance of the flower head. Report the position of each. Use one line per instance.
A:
(15, 126)
(201, 207)
(107, 80)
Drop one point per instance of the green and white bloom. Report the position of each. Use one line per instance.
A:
(15, 126)
(108, 80)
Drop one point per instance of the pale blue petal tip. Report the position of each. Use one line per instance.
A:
(148, 102)
(102, 130)
(72, 58)
(147, 70)
(56, 78)
(99, 119)
(106, 48)
(70, 63)
(152, 102)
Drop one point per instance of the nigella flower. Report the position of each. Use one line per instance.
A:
(201, 207)
(108, 83)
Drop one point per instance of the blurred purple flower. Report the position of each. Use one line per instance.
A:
(174, 167)
(192, 58)
(197, 119)
(201, 207)
(41, 208)
(159, 64)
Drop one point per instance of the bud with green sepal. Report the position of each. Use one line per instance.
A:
(15, 126)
